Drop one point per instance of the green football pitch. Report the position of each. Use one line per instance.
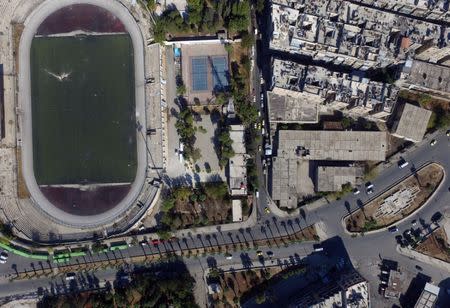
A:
(84, 125)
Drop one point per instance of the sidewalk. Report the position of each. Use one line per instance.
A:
(424, 258)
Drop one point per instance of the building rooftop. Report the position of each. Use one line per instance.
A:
(395, 284)
(342, 289)
(237, 178)
(428, 296)
(429, 75)
(236, 207)
(352, 93)
(361, 36)
(333, 178)
(287, 106)
(332, 145)
(412, 122)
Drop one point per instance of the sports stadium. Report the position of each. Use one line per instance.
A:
(81, 87)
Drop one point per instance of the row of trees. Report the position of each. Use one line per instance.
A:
(154, 290)
(186, 130)
(204, 16)
(226, 146)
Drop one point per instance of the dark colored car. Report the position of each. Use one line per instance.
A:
(419, 268)
(436, 217)
(393, 229)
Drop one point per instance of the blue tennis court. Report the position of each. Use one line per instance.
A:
(199, 67)
(219, 72)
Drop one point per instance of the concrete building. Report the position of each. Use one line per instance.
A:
(290, 180)
(237, 165)
(411, 122)
(236, 209)
(429, 76)
(333, 178)
(311, 86)
(348, 289)
(332, 145)
(294, 170)
(395, 284)
(361, 36)
(287, 106)
(428, 296)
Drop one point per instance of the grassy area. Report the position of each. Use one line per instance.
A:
(84, 127)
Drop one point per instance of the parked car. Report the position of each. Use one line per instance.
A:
(71, 276)
(259, 253)
(437, 217)
(448, 133)
(266, 210)
(393, 229)
(228, 256)
(369, 191)
(433, 142)
(143, 243)
(3, 257)
(402, 163)
(356, 191)
(419, 268)
(155, 242)
(414, 222)
(369, 185)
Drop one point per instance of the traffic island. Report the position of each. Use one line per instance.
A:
(396, 203)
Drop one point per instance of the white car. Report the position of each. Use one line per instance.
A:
(71, 276)
(369, 191)
(3, 257)
(356, 191)
(403, 164)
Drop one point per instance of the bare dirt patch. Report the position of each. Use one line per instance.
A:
(436, 246)
(425, 180)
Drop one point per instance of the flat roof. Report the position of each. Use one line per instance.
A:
(332, 145)
(287, 106)
(413, 123)
(236, 210)
(428, 75)
(428, 297)
(332, 178)
(237, 179)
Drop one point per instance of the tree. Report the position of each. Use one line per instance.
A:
(260, 298)
(347, 122)
(260, 6)
(247, 39)
(181, 89)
